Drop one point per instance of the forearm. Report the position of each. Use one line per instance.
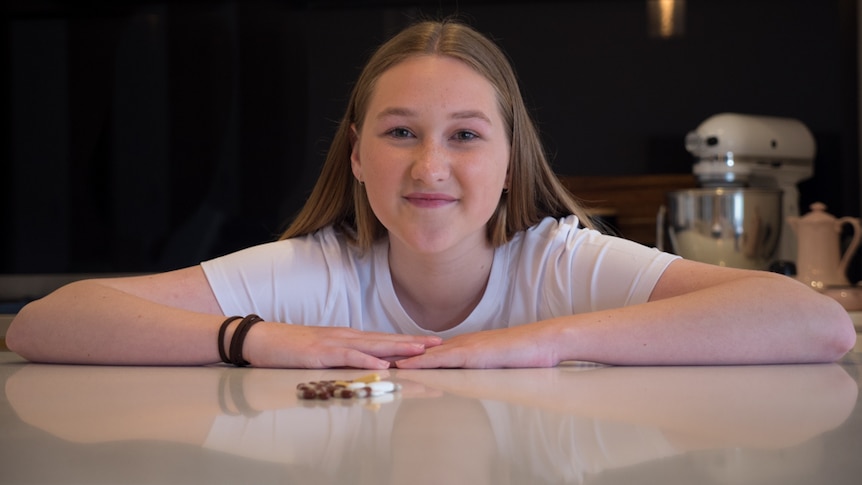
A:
(89, 322)
(97, 322)
(758, 319)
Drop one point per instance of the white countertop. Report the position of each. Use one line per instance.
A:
(570, 424)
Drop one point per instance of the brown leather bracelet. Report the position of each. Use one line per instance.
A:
(238, 339)
(221, 331)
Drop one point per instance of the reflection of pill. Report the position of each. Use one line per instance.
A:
(383, 398)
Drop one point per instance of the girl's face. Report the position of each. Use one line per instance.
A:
(433, 154)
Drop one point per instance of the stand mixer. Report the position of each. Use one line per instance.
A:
(747, 158)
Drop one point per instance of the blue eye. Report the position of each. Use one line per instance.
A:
(465, 136)
(400, 133)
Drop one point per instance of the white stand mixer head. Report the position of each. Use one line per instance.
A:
(739, 150)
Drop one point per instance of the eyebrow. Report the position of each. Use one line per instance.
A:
(458, 115)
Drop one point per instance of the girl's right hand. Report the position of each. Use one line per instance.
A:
(280, 345)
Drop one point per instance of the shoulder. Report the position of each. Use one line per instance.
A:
(325, 243)
(312, 260)
(565, 244)
(551, 232)
(282, 279)
(567, 231)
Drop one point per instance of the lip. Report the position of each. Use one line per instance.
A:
(429, 200)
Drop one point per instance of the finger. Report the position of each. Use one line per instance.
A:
(389, 349)
(354, 358)
(425, 340)
(431, 341)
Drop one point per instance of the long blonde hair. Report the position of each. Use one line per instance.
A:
(535, 192)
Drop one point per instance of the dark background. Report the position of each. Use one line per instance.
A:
(144, 136)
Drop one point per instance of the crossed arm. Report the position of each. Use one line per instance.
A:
(697, 314)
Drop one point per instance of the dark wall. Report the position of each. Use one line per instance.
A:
(151, 135)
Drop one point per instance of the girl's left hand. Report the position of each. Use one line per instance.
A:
(522, 346)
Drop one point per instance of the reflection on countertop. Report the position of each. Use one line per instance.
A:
(857, 322)
(5, 321)
(576, 423)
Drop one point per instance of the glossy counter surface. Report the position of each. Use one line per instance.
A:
(576, 423)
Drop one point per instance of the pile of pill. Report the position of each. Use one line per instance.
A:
(368, 386)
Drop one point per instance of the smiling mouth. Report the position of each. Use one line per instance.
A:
(430, 200)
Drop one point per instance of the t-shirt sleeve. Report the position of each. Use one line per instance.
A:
(285, 281)
(584, 270)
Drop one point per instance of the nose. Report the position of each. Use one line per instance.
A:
(431, 163)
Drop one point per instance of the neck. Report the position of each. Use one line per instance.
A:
(439, 291)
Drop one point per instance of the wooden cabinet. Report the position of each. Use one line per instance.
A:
(629, 204)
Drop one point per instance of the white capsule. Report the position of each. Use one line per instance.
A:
(377, 388)
(382, 386)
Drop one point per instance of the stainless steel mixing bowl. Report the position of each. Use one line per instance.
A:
(736, 227)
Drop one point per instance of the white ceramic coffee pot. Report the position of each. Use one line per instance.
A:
(820, 263)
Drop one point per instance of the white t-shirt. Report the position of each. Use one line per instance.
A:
(552, 269)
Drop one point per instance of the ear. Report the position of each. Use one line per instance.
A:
(355, 162)
(507, 183)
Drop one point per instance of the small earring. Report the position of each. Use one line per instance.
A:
(505, 190)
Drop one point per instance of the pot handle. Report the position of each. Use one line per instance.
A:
(854, 243)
